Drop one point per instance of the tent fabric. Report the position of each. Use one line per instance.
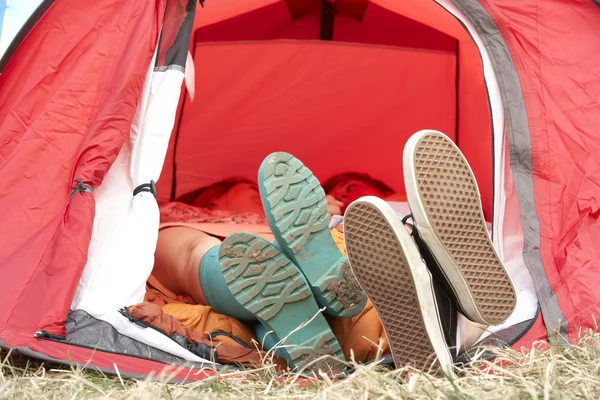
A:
(378, 26)
(112, 363)
(353, 9)
(121, 215)
(474, 114)
(558, 78)
(121, 251)
(520, 159)
(253, 118)
(61, 121)
(31, 21)
(378, 35)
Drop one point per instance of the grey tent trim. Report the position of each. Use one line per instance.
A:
(26, 351)
(519, 140)
(86, 331)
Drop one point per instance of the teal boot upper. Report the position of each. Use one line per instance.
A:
(215, 288)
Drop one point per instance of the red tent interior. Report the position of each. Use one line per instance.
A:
(265, 82)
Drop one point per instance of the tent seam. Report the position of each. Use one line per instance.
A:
(320, 43)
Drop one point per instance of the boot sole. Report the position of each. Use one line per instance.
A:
(296, 211)
(389, 268)
(444, 199)
(266, 283)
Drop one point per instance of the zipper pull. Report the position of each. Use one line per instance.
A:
(48, 335)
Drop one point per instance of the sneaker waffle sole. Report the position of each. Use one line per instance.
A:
(269, 285)
(296, 210)
(446, 205)
(398, 285)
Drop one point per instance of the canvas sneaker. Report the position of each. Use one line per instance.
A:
(451, 230)
(417, 315)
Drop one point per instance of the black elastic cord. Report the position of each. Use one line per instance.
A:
(146, 187)
(219, 332)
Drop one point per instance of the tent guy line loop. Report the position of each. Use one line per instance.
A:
(81, 187)
(146, 187)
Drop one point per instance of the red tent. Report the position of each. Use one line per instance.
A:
(93, 106)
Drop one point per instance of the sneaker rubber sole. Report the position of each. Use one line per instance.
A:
(296, 210)
(389, 268)
(266, 283)
(444, 199)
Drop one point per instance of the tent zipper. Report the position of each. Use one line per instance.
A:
(48, 335)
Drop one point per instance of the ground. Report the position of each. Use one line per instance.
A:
(564, 373)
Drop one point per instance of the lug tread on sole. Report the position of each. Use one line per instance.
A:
(296, 199)
(341, 289)
(260, 278)
(299, 208)
(384, 272)
(450, 199)
(323, 344)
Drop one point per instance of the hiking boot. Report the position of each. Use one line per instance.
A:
(445, 203)
(296, 210)
(418, 317)
(266, 284)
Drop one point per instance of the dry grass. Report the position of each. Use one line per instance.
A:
(558, 373)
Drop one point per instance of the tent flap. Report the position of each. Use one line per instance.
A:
(121, 250)
(61, 121)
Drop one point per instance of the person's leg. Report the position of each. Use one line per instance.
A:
(362, 334)
(179, 251)
(468, 332)
(248, 278)
(296, 210)
(186, 261)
